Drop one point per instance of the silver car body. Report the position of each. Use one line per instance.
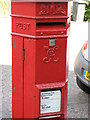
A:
(81, 64)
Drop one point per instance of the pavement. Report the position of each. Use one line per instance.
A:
(77, 99)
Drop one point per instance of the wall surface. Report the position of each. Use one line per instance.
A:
(5, 41)
(78, 36)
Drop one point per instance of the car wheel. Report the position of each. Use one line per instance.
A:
(82, 86)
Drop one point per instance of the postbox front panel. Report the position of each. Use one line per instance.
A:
(51, 60)
(41, 77)
(49, 57)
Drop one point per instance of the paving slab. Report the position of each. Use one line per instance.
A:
(77, 99)
(0, 92)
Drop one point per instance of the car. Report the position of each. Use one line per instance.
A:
(82, 69)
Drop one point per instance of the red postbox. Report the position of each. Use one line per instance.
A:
(39, 59)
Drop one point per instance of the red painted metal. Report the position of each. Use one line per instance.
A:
(37, 64)
(17, 76)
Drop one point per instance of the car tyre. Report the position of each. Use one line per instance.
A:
(83, 86)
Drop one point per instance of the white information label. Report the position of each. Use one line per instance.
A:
(50, 101)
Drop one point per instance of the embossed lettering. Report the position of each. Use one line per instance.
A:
(23, 26)
(52, 9)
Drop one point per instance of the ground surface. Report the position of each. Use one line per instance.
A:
(77, 99)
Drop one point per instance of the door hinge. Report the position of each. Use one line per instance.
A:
(23, 55)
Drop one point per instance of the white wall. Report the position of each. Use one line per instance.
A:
(5, 41)
(79, 34)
